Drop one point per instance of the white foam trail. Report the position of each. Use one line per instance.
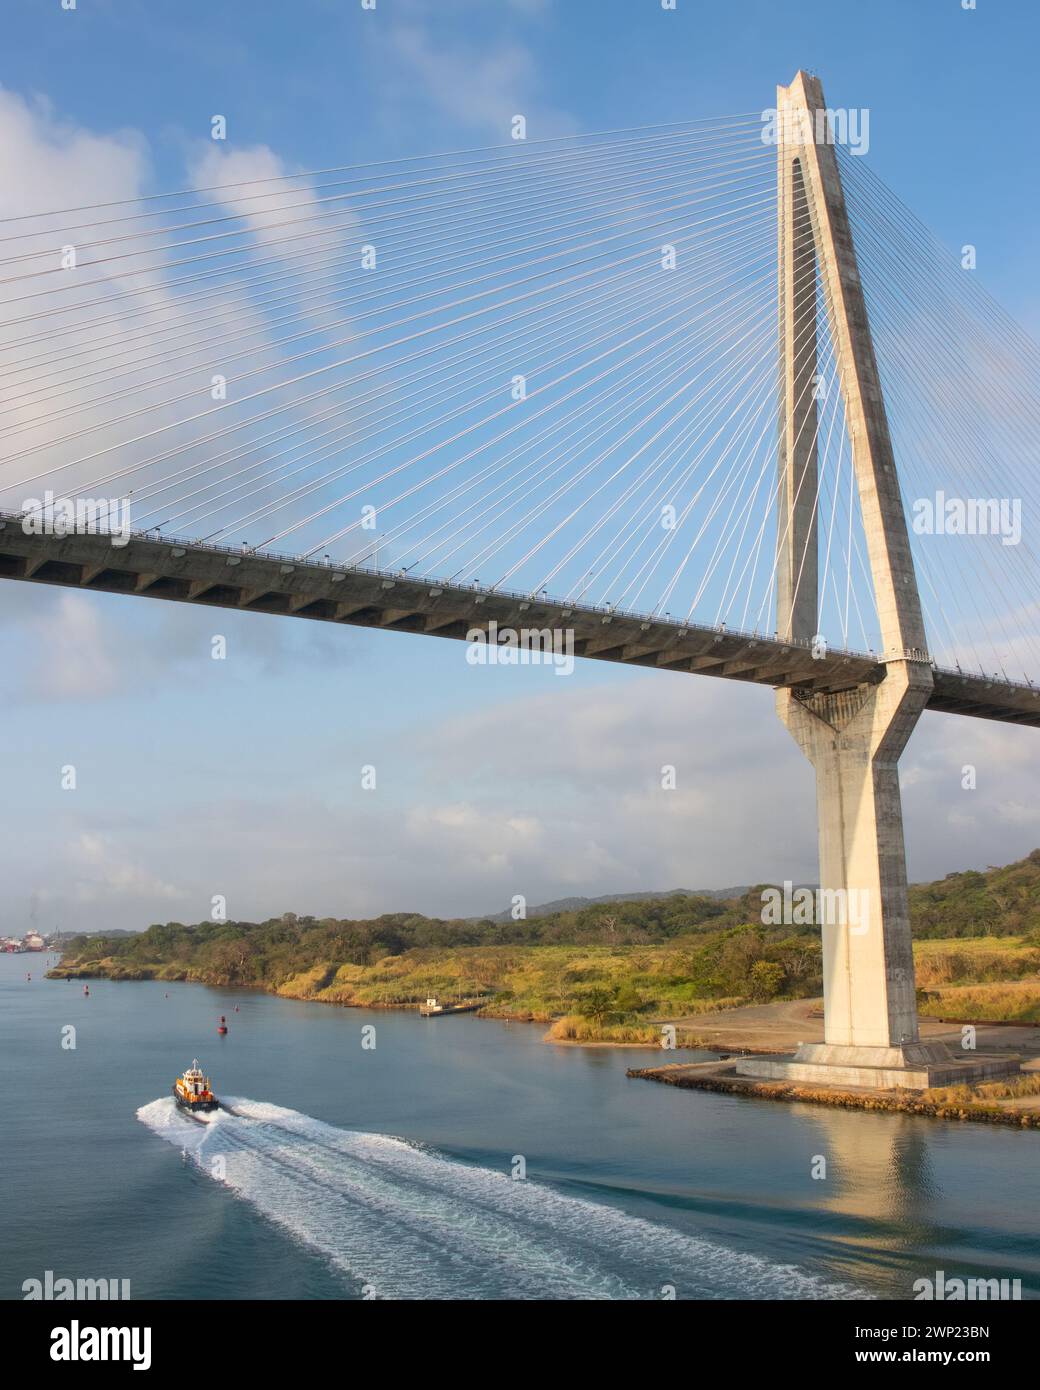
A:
(413, 1224)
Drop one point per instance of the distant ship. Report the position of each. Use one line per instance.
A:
(192, 1092)
(31, 941)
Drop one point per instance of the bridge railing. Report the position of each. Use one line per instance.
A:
(521, 596)
(991, 677)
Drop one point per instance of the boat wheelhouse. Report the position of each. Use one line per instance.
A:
(192, 1091)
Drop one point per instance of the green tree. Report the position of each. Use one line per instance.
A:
(596, 1004)
(627, 999)
(766, 979)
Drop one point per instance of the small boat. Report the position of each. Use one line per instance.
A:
(433, 1008)
(222, 1029)
(192, 1093)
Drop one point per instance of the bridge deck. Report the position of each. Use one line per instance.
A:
(219, 577)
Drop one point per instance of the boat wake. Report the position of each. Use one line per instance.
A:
(408, 1223)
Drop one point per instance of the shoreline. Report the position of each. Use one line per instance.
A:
(76, 972)
(771, 1029)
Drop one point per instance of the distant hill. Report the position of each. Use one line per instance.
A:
(1002, 901)
(577, 904)
(73, 935)
(998, 901)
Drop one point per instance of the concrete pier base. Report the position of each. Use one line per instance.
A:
(916, 1066)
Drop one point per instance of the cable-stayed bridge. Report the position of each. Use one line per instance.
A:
(705, 396)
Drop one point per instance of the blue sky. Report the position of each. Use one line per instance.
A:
(242, 777)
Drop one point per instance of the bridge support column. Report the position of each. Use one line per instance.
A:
(854, 737)
(853, 740)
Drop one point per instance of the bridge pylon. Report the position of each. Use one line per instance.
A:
(852, 737)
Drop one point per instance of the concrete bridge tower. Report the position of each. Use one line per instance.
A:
(854, 737)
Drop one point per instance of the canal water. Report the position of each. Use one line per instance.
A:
(457, 1158)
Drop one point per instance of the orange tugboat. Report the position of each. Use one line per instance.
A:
(192, 1093)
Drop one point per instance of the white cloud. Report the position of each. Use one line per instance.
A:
(482, 82)
(256, 186)
(72, 661)
(47, 162)
(87, 648)
(101, 876)
(545, 793)
(125, 346)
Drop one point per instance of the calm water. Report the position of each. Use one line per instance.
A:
(347, 1168)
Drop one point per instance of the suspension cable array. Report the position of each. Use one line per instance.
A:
(550, 367)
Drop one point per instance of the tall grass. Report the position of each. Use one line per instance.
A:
(1011, 1002)
(1011, 1089)
(574, 1028)
(988, 960)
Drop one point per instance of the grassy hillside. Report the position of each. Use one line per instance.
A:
(1000, 902)
(594, 991)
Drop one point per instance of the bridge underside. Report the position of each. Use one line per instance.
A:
(219, 578)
